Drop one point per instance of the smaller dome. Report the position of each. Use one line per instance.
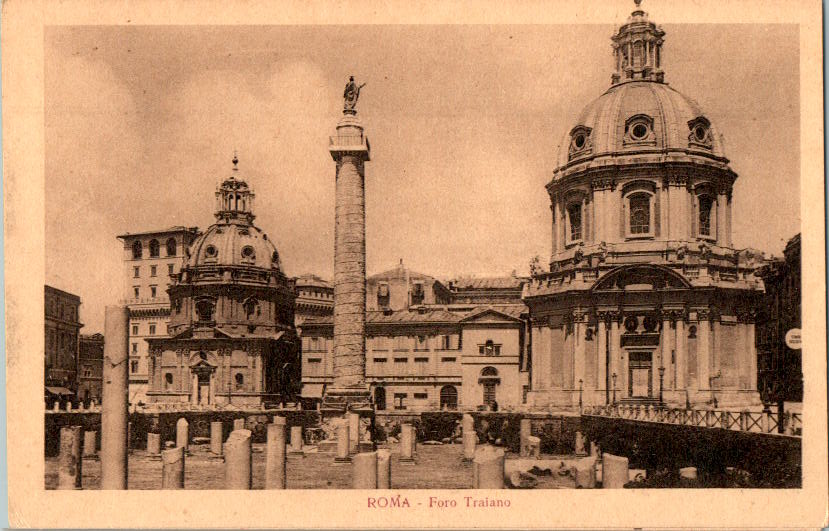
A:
(233, 244)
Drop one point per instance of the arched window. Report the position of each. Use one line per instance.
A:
(574, 231)
(137, 250)
(640, 214)
(171, 247)
(204, 309)
(705, 204)
(168, 380)
(489, 371)
(154, 249)
(240, 380)
(448, 397)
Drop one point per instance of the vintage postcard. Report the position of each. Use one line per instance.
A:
(390, 264)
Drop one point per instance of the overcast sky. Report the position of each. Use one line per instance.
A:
(464, 123)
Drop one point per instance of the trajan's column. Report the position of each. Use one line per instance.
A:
(349, 148)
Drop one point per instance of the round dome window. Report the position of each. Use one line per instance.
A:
(639, 131)
(248, 252)
(700, 133)
(579, 141)
(210, 251)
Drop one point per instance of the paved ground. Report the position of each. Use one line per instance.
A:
(438, 467)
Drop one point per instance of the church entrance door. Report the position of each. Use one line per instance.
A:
(204, 388)
(640, 368)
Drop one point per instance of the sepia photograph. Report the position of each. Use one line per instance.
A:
(492, 259)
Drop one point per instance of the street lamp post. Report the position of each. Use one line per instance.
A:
(614, 388)
(661, 380)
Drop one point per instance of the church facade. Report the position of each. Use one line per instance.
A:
(231, 336)
(646, 300)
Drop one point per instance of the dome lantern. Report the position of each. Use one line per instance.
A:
(234, 199)
(637, 49)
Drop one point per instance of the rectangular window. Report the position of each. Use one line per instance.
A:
(421, 360)
(380, 360)
(153, 291)
(314, 360)
(135, 330)
(170, 269)
(135, 292)
(152, 329)
(640, 214)
(87, 372)
(381, 343)
(421, 396)
(133, 366)
(445, 342)
(421, 343)
(402, 343)
(136, 272)
(417, 293)
(448, 360)
(153, 271)
(401, 360)
(135, 348)
(574, 220)
(399, 400)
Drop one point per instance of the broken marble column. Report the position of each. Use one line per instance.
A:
(342, 442)
(296, 440)
(584, 472)
(172, 468)
(353, 433)
(594, 449)
(470, 441)
(238, 460)
(238, 424)
(364, 470)
(580, 444)
(56, 406)
(90, 443)
(688, 472)
(406, 444)
(488, 468)
(383, 469)
(70, 471)
(114, 413)
(614, 471)
(216, 437)
(534, 447)
(526, 431)
(275, 455)
(182, 433)
(153, 443)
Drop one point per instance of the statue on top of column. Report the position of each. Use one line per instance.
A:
(351, 95)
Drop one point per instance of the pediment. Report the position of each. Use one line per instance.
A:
(489, 315)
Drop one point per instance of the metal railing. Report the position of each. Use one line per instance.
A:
(747, 421)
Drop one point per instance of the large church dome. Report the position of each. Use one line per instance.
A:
(644, 118)
(640, 119)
